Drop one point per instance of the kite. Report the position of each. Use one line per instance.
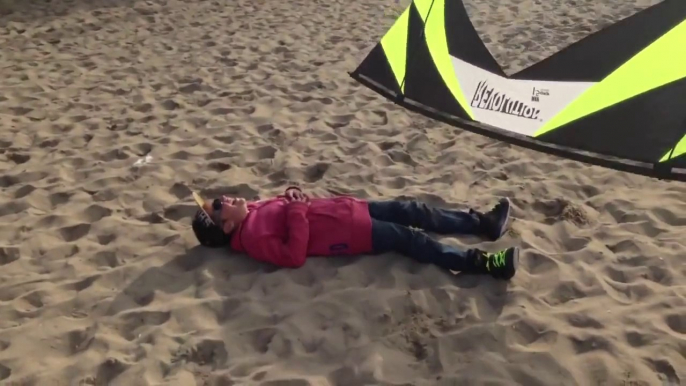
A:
(616, 98)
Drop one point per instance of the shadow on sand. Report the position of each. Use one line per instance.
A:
(374, 272)
(402, 319)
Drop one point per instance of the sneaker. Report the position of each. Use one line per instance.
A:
(495, 222)
(500, 265)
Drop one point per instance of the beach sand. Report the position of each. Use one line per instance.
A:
(103, 283)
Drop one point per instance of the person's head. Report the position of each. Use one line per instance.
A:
(214, 224)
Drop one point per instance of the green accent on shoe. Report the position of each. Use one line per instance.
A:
(497, 258)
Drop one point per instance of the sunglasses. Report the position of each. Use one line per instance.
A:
(217, 205)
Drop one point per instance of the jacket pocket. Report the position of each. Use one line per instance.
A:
(331, 227)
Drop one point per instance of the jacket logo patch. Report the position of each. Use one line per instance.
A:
(338, 247)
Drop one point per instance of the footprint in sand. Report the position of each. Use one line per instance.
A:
(74, 232)
(170, 105)
(34, 299)
(9, 255)
(107, 259)
(79, 340)
(134, 321)
(106, 239)
(677, 322)
(80, 285)
(19, 158)
(5, 372)
(208, 352)
(108, 370)
(591, 342)
(95, 213)
(7, 181)
(665, 371)
(316, 172)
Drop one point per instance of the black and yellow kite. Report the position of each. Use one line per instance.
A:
(616, 98)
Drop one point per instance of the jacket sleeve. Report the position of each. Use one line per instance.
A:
(290, 253)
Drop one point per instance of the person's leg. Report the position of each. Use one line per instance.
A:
(492, 224)
(392, 237)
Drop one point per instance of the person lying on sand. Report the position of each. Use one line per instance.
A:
(287, 229)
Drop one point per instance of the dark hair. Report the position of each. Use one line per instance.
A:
(208, 233)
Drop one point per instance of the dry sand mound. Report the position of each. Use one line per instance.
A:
(102, 282)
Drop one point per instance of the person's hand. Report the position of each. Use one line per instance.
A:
(294, 195)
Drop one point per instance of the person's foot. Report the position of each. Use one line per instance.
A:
(495, 222)
(500, 265)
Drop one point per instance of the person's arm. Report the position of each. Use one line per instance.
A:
(292, 252)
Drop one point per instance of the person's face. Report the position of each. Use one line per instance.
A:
(227, 212)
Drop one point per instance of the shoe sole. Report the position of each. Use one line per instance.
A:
(515, 262)
(506, 223)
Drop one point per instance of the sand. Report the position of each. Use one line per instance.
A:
(102, 281)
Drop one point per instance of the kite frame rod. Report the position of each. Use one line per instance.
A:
(661, 171)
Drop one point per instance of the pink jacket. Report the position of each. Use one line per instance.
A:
(285, 234)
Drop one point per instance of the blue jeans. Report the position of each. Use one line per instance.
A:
(391, 232)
